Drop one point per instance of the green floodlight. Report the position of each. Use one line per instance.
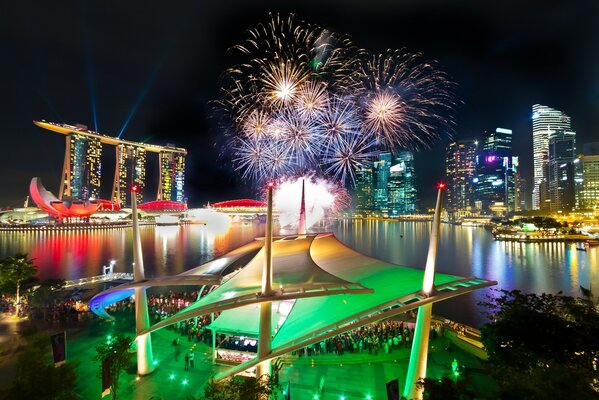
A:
(155, 362)
(185, 382)
(368, 397)
(171, 377)
(315, 397)
(342, 398)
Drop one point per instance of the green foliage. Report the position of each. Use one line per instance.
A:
(542, 344)
(115, 351)
(242, 388)
(14, 271)
(539, 222)
(38, 378)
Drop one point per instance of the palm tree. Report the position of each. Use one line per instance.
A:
(14, 271)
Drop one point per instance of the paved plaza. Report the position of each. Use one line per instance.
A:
(351, 376)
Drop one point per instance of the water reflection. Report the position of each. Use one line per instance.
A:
(167, 249)
(464, 251)
(472, 251)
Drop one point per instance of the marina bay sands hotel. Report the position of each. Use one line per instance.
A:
(82, 169)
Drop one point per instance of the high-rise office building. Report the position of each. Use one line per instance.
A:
(497, 177)
(545, 120)
(82, 169)
(401, 185)
(363, 194)
(386, 187)
(381, 172)
(589, 194)
(460, 170)
(498, 142)
(562, 153)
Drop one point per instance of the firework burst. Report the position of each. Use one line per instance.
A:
(306, 100)
(348, 154)
(405, 99)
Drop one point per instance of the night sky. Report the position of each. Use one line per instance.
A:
(166, 59)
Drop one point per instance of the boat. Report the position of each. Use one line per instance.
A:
(581, 248)
(166, 219)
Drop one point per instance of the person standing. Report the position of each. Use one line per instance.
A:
(186, 361)
(191, 360)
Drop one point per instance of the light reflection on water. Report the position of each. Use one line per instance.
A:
(167, 249)
(464, 251)
(472, 251)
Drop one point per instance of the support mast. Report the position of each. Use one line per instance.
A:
(145, 357)
(419, 353)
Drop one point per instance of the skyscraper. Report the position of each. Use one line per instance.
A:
(401, 185)
(562, 153)
(131, 170)
(498, 142)
(381, 173)
(82, 170)
(589, 196)
(545, 120)
(172, 173)
(497, 172)
(363, 194)
(460, 170)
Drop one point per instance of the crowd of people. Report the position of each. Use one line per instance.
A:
(380, 337)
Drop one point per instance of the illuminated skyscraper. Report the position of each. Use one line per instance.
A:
(363, 195)
(460, 170)
(179, 177)
(172, 176)
(401, 185)
(589, 194)
(562, 153)
(497, 183)
(82, 168)
(381, 173)
(167, 176)
(545, 120)
(130, 170)
(498, 142)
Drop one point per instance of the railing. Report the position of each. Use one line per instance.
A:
(98, 279)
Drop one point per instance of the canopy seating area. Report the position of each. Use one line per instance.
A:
(331, 288)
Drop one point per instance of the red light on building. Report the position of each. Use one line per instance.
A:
(271, 184)
(440, 185)
(134, 188)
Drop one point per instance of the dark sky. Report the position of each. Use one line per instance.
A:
(167, 58)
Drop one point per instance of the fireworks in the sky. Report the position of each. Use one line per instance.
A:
(307, 101)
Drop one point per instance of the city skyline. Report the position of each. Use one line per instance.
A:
(161, 89)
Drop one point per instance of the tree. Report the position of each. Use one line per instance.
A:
(115, 355)
(47, 294)
(542, 346)
(242, 388)
(38, 378)
(14, 271)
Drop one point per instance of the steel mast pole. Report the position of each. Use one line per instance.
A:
(264, 335)
(419, 353)
(302, 230)
(145, 357)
